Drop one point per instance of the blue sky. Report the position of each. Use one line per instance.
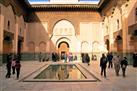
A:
(38, 0)
(90, 0)
(48, 0)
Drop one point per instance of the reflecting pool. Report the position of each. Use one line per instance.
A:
(61, 72)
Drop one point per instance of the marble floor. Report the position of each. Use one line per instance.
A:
(111, 83)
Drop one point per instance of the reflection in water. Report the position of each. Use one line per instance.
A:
(61, 72)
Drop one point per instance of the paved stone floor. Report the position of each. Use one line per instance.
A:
(112, 83)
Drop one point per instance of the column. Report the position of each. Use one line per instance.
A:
(24, 39)
(1, 36)
(102, 29)
(124, 33)
(110, 28)
(15, 43)
(24, 49)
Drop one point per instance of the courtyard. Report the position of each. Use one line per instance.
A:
(111, 83)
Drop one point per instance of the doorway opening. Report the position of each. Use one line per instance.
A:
(63, 49)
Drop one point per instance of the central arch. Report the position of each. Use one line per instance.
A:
(63, 48)
(64, 35)
(64, 43)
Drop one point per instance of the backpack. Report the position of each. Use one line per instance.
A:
(104, 60)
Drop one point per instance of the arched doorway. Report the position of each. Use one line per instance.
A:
(107, 44)
(118, 42)
(95, 47)
(42, 47)
(84, 47)
(63, 48)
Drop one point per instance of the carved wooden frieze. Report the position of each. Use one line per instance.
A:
(17, 6)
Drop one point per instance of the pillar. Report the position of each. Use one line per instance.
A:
(124, 34)
(1, 35)
(102, 38)
(110, 29)
(15, 43)
(24, 39)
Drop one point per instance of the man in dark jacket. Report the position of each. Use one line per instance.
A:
(110, 57)
(8, 65)
(103, 64)
(87, 58)
(135, 60)
(18, 66)
(124, 64)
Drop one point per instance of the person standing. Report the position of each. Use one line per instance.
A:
(75, 58)
(40, 57)
(53, 57)
(124, 64)
(69, 57)
(116, 62)
(65, 57)
(13, 63)
(18, 66)
(110, 57)
(87, 58)
(8, 65)
(135, 60)
(103, 64)
(82, 56)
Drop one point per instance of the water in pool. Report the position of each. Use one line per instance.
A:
(61, 72)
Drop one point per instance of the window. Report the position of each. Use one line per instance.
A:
(0, 9)
(117, 24)
(20, 31)
(136, 14)
(136, 11)
(107, 29)
(8, 25)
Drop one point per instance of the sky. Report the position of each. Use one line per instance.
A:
(48, 0)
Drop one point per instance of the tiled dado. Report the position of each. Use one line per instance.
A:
(0, 59)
